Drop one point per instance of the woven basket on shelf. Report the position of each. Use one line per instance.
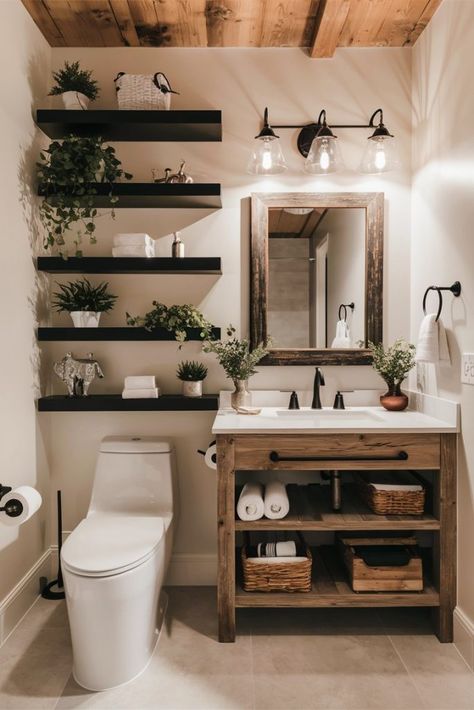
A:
(140, 92)
(383, 502)
(277, 577)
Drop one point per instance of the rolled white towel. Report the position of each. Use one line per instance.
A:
(275, 560)
(141, 251)
(250, 504)
(277, 549)
(276, 501)
(139, 382)
(141, 394)
(133, 239)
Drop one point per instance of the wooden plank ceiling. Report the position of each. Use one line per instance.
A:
(319, 25)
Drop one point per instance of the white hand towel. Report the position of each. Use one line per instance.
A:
(250, 505)
(139, 382)
(141, 251)
(133, 239)
(343, 336)
(432, 341)
(141, 394)
(276, 501)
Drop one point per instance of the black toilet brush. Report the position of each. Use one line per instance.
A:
(47, 591)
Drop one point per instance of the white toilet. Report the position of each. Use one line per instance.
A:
(115, 561)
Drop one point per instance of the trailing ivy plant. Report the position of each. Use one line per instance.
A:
(73, 78)
(235, 356)
(176, 319)
(68, 173)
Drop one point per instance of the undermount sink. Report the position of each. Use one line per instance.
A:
(333, 415)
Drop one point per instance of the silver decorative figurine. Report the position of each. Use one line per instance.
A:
(77, 373)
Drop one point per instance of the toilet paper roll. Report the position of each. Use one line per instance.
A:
(210, 457)
(29, 498)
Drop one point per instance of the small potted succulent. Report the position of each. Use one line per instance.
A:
(393, 365)
(192, 374)
(239, 363)
(75, 85)
(84, 302)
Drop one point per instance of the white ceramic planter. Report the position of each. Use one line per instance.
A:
(85, 319)
(192, 389)
(75, 101)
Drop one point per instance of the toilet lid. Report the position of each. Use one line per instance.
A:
(103, 545)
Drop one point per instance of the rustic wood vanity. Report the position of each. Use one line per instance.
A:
(411, 441)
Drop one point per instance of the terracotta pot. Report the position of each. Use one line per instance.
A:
(394, 400)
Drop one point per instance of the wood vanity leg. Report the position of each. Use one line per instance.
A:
(444, 547)
(226, 538)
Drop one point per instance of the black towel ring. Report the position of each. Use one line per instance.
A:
(345, 306)
(455, 289)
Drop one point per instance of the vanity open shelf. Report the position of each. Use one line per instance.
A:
(126, 125)
(116, 333)
(310, 509)
(115, 403)
(330, 588)
(153, 195)
(129, 265)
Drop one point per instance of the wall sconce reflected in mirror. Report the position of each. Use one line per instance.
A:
(267, 156)
(320, 146)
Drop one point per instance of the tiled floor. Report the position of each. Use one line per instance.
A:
(336, 659)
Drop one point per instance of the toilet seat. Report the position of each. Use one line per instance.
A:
(104, 545)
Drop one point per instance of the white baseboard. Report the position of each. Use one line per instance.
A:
(192, 570)
(464, 636)
(23, 595)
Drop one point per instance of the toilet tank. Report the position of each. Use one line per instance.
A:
(135, 475)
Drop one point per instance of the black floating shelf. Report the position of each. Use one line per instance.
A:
(111, 333)
(115, 403)
(116, 125)
(129, 265)
(154, 195)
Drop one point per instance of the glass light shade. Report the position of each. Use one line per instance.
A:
(380, 155)
(267, 157)
(324, 156)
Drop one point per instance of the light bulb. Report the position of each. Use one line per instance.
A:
(380, 157)
(324, 159)
(267, 157)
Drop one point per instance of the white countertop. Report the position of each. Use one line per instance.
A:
(364, 420)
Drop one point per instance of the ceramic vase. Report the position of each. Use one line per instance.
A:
(240, 397)
(85, 319)
(394, 400)
(192, 388)
(75, 101)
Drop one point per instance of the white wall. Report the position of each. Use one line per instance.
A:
(442, 227)
(241, 83)
(24, 57)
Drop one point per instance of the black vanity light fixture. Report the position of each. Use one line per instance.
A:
(319, 145)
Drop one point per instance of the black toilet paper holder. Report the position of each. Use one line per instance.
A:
(13, 507)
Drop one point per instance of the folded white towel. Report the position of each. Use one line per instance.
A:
(343, 336)
(139, 382)
(274, 560)
(276, 501)
(250, 505)
(141, 251)
(141, 394)
(133, 239)
(396, 487)
(432, 341)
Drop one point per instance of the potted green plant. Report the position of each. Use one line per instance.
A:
(192, 374)
(68, 172)
(393, 365)
(239, 363)
(84, 302)
(176, 319)
(75, 85)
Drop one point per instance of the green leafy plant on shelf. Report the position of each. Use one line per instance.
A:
(191, 371)
(235, 356)
(68, 173)
(394, 363)
(176, 319)
(72, 78)
(81, 295)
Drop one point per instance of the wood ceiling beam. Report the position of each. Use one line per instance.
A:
(45, 22)
(125, 23)
(330, 20)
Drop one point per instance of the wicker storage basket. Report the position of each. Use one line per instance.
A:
(138, 92)
(277, 577)
(386, 502)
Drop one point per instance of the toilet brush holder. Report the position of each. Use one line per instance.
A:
(55, 588)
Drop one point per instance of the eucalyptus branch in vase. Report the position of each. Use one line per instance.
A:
(393, 365)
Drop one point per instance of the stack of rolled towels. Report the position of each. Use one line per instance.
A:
(133, 244)
(257, 501)
(140, 387)
(276, 552)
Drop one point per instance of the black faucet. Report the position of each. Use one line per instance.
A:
(318, 381)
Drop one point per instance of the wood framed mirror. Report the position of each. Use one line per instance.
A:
(316, 284)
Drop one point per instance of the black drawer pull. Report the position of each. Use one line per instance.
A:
(400, 456)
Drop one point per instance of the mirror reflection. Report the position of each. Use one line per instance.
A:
(316, 277)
